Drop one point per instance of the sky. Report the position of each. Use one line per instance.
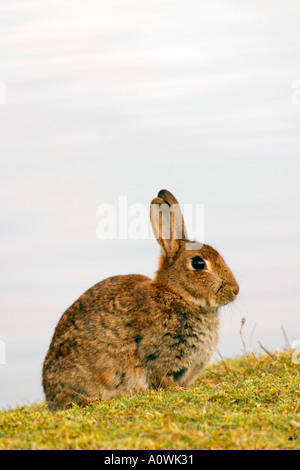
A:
(122, 98)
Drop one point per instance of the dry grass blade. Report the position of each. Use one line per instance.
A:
(251, 336)
(224, 363)
(258, 363)
(294, 423)
(241, 334)
(266, 350)
(287, 343)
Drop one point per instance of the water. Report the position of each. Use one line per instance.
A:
(104, 100)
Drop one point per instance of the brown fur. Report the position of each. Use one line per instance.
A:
(129, 333)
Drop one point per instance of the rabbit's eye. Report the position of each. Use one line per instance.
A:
(198, 263)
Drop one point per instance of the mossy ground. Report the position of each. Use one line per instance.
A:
(251, 402)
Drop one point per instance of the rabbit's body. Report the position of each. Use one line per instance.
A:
(157, 340)
(129, 333)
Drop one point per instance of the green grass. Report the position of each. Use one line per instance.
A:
(251, 402)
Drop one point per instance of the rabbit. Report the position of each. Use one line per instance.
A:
(130, 333)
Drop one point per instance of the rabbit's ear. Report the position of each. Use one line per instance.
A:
(170, 199)
(167, 223)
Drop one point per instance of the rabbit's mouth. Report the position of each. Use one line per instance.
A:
(221, 287)
(226, 293)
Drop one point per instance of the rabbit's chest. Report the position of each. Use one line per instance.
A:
(181, 345)
(191, 350)
(196, 339)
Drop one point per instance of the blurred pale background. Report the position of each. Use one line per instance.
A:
(127, 97)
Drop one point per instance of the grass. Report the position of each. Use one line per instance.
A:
(250, 402)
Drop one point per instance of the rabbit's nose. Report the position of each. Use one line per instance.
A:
(236, 289)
